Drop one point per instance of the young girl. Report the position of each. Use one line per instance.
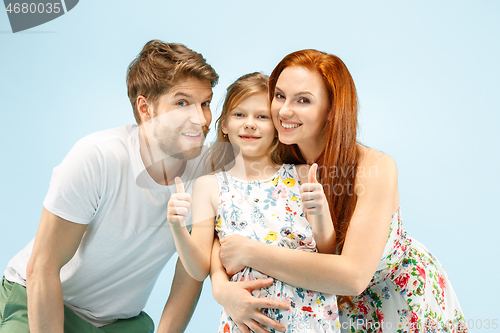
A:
(261, 199)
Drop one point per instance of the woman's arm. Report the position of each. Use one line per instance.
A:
(237, 299)
(194, 249)
(345, 274)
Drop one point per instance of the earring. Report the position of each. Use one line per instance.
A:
(224, 135)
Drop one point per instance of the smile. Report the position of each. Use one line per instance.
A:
(192, 135)
(289, 126)
(249, 137)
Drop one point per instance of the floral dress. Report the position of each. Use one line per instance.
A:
(270, 211)
(410, 292)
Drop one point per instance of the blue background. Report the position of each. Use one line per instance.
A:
(427, 74)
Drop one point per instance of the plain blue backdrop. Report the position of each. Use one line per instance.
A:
(427, 74)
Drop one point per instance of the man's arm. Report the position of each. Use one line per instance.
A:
(184, 295)
(55, 244)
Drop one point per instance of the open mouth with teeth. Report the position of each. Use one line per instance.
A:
(289, 126)
(193, 136)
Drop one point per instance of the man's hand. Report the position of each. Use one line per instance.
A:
(179, 205)
(244, 309)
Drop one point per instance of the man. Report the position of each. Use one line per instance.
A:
(103, 237)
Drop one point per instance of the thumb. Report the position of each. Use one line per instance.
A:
(312, 173)
(179, 185)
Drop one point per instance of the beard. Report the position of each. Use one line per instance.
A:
(169, 141)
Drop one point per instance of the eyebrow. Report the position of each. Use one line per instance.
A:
(305, 92)
(183, 94)
(299, 93)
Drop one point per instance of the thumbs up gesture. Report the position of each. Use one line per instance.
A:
(313, 197)
(179, 205)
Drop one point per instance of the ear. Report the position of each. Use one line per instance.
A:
(223, 126)
(142, 106)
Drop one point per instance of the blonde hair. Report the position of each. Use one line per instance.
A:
(222, 152)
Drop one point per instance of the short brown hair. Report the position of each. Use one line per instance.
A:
(160, 66)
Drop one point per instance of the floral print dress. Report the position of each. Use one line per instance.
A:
(270, 211)
(410, 292)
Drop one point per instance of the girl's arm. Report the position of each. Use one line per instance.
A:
(194, 249)
(316, 208)
(345, 274)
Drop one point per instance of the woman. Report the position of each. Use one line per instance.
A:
(395, 283)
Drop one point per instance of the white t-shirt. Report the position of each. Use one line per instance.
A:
(102, 182)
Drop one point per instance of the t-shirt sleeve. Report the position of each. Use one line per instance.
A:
(77, 183)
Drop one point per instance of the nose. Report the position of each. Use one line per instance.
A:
(249, 124)
(285, 111)
(198, 116)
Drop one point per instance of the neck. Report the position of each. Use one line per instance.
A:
(163, 169)
(311, 150)
(253, 168)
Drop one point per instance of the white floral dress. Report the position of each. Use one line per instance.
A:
(410, 292)
(270, 211)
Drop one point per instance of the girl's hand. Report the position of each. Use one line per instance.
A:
(233, 252)
(179, 205)
(244, 308)
(313, 196)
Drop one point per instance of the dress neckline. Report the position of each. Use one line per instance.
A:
(277, 173)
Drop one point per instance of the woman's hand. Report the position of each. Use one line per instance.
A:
(313, 195)
(317, 212)
(234, 250)
(244, 309)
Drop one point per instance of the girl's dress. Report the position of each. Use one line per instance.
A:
(270, 211)
(410, 292)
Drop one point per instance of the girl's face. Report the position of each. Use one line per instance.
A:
(300, 107)
(250, 127)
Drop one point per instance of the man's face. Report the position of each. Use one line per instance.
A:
(181, 117)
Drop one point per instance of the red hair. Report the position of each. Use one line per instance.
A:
(340, 157)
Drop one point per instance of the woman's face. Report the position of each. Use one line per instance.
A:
(300, 107)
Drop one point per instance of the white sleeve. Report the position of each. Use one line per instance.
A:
(77, 184)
